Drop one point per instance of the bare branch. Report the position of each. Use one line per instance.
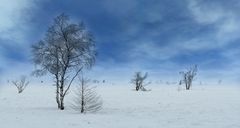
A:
(70, 83)
(21, 84)
(86, 99)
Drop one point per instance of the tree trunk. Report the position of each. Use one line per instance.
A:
(82, 106)
(57, 97)
(82, 96)
(62, 103)
(61, 98)
(57, 92)
(137, 88)
(188, 86)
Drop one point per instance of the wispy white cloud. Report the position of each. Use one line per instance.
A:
(206, 14)
(14, 19)
(225, 20)
(14, 34)
(224, 30)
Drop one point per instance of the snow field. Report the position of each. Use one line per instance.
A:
(163, 107)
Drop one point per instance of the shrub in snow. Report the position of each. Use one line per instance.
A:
(86, 100)
(188, 77)
(21, 84)
(138, 81)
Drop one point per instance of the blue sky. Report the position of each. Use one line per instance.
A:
(161, 37)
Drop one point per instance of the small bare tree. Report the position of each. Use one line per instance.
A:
(138, 81)
(21, 84)
(219, 82)
(86, 99)
(188, 77)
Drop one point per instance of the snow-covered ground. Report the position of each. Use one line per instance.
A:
(163, 107)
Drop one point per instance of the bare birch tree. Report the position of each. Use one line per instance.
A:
(21, 84)
(86, 99)
(188, 77)
(66, 49)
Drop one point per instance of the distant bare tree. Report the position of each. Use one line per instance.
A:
(138, 81)
(168, 83)
(66, 49)
(188, 76)
(21, 84)
(86, 99)
(219, 82)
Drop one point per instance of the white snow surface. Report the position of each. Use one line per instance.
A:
(163, 107)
